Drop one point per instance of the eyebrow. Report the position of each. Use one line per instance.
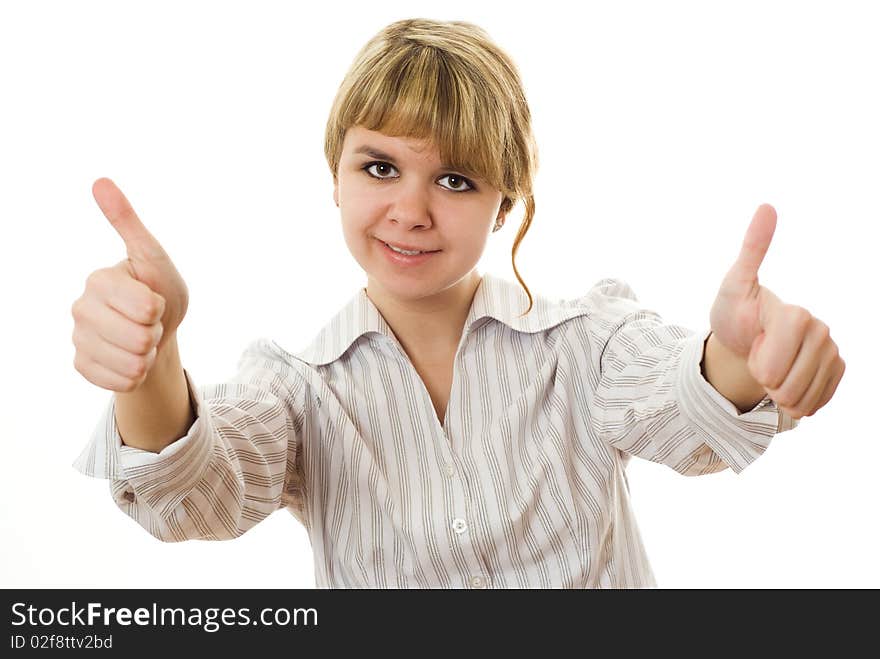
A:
(381, 155)
(374, 153)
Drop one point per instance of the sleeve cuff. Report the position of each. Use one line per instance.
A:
(738, 439)
(161, 479)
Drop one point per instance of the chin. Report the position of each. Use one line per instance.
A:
(408, 288)
(411, 289)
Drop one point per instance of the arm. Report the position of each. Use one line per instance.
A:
(159, 411)
(235, 465)
(653, 402)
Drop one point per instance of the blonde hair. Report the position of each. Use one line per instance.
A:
(449, 83)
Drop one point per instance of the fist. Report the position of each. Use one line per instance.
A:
(128, 312)
(789, 353)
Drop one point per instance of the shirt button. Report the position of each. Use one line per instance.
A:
(450, 470)
(478, 582)
(318, 401)
(459, 525)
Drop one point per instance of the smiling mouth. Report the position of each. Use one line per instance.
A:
(407, 250)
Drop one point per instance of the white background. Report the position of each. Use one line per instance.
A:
(661, 128)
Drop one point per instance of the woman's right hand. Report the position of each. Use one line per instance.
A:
(128, 312)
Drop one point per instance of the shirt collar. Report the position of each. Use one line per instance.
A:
(495, 299)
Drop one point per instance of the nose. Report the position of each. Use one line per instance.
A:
(410, 207)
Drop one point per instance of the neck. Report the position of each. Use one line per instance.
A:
(429, 328)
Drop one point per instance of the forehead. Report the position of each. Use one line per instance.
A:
(358, 137)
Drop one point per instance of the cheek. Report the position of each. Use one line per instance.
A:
(470, 241)
(477, 243)
(360, 207)
(357, 228)
(355, 189)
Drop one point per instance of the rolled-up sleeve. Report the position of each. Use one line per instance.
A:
(235, 465)
(654, 402)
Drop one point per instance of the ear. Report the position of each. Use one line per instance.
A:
(336, 191)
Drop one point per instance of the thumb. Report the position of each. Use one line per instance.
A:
(756, 242)
(139, 242)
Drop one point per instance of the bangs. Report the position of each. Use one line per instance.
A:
(418, 93)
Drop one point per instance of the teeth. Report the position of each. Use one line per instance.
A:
(403, 251)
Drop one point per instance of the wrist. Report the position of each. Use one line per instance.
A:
(729, 375)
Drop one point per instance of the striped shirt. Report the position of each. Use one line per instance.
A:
(522, 486)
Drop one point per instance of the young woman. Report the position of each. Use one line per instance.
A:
(445, 428)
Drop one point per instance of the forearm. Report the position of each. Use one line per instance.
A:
(159, 411)
(728, 373)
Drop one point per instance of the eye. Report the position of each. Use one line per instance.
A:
(457, 183)
(370, 166)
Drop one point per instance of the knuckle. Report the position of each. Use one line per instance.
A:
(793, 413)
(835, 351)
(803, 317)
(785, 399)
(95, 279)
(137, 368)
(772, 379)
(823, 331)
(143, 341)
(149, 309)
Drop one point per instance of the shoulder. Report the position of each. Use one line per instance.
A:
(608, 308)
(266, 364)
(611, 288)
(505, 301)
(609, 302)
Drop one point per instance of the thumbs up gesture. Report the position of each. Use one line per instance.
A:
(789, 352)
(128, 312)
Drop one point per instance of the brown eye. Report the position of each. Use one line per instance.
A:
(456, 181)
(382, 169)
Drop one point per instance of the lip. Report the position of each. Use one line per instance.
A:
(398, 259)
(409, 248)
